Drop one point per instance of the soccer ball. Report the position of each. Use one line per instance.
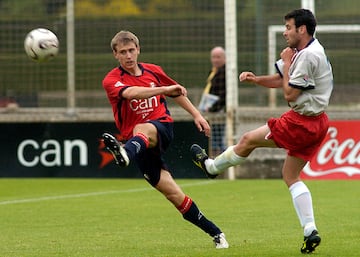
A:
(41, 45)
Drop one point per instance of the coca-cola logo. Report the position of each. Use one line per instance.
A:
(339, 155)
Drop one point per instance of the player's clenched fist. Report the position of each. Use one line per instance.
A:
(175, 90)
(247, 76)
(287, 54)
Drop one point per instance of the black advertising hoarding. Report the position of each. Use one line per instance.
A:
(75, 150)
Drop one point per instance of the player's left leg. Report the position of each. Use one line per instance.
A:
(187, 207)
(302, 201)
(233, 155)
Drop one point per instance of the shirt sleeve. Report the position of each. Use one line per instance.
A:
(113, 86)
(279, 66)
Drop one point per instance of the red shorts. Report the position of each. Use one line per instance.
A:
(300, 135)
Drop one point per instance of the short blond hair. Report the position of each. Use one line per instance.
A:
(124, 37)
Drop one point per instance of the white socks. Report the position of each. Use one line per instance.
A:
(300, 193)
(223, 161)
(303, 205)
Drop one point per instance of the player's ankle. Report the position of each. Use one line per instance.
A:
(211, 168)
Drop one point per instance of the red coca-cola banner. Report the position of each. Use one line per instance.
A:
(339, 153)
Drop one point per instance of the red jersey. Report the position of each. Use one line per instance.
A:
(130, 112)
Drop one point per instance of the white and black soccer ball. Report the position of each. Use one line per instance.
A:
(41, 45)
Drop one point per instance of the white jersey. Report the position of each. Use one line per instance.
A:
(311, 72)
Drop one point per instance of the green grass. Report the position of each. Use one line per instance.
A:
(118, 217)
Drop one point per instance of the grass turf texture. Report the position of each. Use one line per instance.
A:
(118, 217)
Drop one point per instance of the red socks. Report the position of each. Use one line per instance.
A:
(185, 206)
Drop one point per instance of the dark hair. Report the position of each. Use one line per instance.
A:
(303, 17)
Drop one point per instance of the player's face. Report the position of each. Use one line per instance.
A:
(127, 56)
(291, 34)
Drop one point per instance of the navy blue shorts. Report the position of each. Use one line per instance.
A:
(151, 161)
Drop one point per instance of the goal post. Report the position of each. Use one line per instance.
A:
(231, 74)
(274, 29)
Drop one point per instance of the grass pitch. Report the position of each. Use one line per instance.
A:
(127, 218)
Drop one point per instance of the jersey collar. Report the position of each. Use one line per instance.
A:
(311, 40)
(125, 71)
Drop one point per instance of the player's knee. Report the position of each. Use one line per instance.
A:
(246, 141)
(289, 178)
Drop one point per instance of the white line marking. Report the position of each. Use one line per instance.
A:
(58, 197)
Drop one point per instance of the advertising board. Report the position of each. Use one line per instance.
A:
(76, 150)
(339, 154)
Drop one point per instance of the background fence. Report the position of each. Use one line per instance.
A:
(177, 35)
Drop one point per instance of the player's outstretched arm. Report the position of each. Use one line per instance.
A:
(138, 92)
(175, 91)
(199, 120)
(269, 81)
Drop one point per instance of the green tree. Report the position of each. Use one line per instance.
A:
(112, 8)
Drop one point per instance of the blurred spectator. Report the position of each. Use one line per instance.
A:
(213, 99)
